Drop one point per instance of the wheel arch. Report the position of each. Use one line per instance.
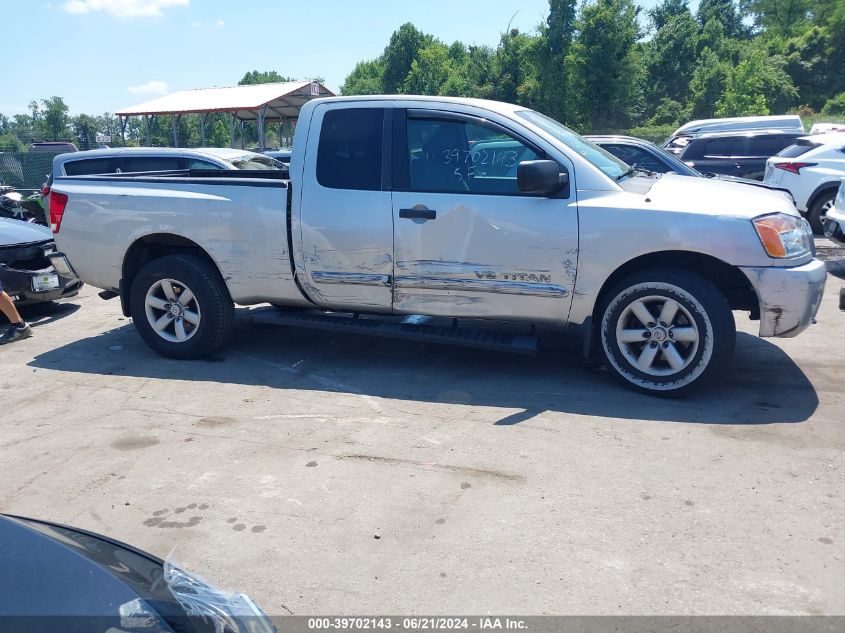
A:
(152, 246)
(821, 190)
(728, 279)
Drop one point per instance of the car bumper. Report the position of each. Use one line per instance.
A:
(789, 297)
(834, 226)
(18, 282)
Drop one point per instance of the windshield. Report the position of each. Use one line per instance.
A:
(253, 161)
(604, 160)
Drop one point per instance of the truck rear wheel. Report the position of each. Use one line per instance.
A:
(181, 307)
(665, 332)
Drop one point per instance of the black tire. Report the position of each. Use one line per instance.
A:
(816, 212)
(702, 312)
(211, 300)
(842, 298)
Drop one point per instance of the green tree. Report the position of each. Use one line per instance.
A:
(835, 105)
(555, 96)
(403, 48)
(707, 84)
(606, 65)
(56, 118)
(515, 72)
(429, 71)
(367, 78)
(725, 12)
(668, 112)
(671, 58)
(661, 13)
(757, 85)
(262, 77)
(779, 17)
(84, 129)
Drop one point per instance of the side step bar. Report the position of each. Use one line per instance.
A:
(407, 328)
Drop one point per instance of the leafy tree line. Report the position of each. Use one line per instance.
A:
(595, 67)
(49, 119)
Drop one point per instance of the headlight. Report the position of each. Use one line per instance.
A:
(784, 235)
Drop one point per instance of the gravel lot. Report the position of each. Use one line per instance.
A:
(324, 474)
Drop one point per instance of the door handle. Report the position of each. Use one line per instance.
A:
(418, 214)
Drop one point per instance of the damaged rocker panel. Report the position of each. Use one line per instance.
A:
(481, 285)
(355, 279)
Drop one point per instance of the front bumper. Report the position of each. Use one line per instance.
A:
(789, 297)
(834, 225)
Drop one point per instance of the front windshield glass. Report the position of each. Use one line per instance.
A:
(252, 161)
(604, 160)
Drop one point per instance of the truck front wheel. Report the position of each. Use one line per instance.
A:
(181, 307)
(665, 332)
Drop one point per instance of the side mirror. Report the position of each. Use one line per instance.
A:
(544, 177)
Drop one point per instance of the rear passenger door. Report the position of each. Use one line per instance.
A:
(345, 219)
(757, 150)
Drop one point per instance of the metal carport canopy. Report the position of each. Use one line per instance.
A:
(258, 102)
(282, 100)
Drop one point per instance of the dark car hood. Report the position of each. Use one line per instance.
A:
(13, 232)
(50, 571)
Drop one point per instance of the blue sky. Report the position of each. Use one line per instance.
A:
(103, 55)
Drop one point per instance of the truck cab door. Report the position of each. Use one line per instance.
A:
(467, 243)
(345, 220)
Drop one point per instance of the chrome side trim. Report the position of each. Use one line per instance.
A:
(355, 279)
(479, 285)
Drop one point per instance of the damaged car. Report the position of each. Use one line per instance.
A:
(29, 271)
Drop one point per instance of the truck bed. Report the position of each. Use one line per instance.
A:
(108, 215)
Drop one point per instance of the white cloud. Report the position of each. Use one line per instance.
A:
(150, 88)
(220, 23)
(123, 8)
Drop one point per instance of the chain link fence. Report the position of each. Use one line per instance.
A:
(25, 170)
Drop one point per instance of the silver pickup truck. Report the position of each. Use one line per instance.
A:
(462, 211)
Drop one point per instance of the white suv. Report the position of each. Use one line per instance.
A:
(811, 170)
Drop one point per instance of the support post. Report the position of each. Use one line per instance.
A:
(262, 113)
(242, 134)
(148, 121)
(234, 121)
(176, 120)
(203, 120)
(124, 120)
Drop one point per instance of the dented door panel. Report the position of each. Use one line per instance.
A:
(486, 256)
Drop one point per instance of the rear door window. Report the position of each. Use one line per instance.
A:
(133, 164)
(798, 149)
(349, 155)
(90, 166)
(765, 146)
(721, 147)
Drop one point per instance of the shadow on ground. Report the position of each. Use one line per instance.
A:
(763, 386)
(37, 314)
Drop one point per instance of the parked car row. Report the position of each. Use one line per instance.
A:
(811, 169)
